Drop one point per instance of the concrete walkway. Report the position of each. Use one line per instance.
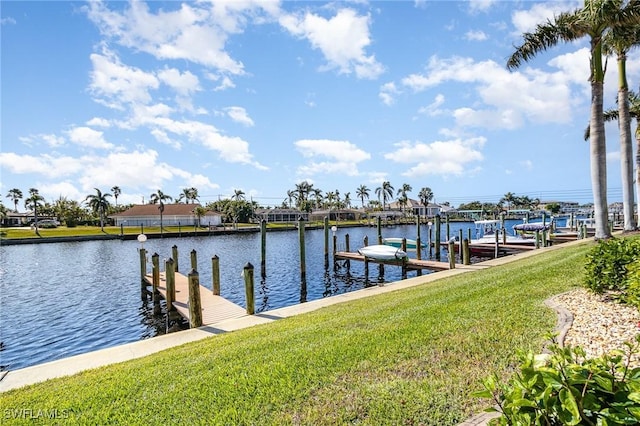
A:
(75, 364)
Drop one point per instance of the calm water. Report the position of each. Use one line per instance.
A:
(63, 299)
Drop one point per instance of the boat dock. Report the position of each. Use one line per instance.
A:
(214, 308)
(408, 263)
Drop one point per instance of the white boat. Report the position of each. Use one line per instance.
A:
(397, 242)
(486, 234)
(382, 252)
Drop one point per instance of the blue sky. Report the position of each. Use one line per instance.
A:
(261, 95)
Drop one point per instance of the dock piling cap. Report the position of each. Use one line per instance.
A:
(142, 238)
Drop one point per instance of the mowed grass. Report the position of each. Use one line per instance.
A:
(407, 357)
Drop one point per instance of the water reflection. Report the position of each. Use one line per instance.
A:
(62, 299)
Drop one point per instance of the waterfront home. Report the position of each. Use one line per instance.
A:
(173, 215)
(417, 209)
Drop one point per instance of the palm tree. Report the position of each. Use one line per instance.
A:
(634, 113)
(619, 41)
(199, 212)
(593, 20)
(425, 195)
(347, 200)
(116, 193)
(159, 198)
(316, 193)
(385, 192)
(190, 195)
(238, 195)
(402, 192)
(362, 192)
(34, 201)
(508, 198)
(99, 204)
(15, 194)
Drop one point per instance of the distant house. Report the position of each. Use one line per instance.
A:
(416, 208)
(173, 215)
(280, 215)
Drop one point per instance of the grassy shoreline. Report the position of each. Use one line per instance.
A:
(407, 357)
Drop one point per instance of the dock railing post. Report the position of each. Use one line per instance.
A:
(263, 249)
(452, 255)
(326, 242)
(437, 238)
(497, 244)
(466, 258)
(365, 242)
(248, 288)
(195, 304)
(448, 227)
(537, 239)
(303, 262)
(155, 261)
(143, 273)
(215, 274)
(461, 254)
(174, 256)
(194, 259)
(347, 248)
(170, 277)
(379, 226)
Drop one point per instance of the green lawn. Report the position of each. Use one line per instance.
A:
(406, 357)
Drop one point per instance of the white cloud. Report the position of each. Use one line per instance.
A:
(476, 35)
(239, 115)
(88, 138)
(451, 157)
(342, 157)
(342, 39)
(98, 122)
(526, 164)
(542, 97)
(197, 32)
(526, 20)
(46, 165)
(433, 109)
(53, 141)
(480, 5)
(115, 84)
(387, 93)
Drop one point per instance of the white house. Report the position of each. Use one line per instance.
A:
(173, 215)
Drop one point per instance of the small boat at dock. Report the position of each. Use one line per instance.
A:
(382, 252)
(397, 243)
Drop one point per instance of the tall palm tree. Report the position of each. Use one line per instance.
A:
(116, 193)
(316, 193)
(619, 41)
(592, 20)
(16, 195)
(238, 195)
(99, 204)
(159, 198)
(402, 195)
(508, 198)
(291, 195)
(199, 212)
(384, 192)
(33, 202)
(347, 200)
(362, 192)
(425, 195)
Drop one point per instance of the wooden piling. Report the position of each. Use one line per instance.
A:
(326, 242)
(248, 288)
(495, 255)
(461, 254)
(194, 259)
(347, 249)
(303, 265)
(379, 225)
(418, 243)
(504, 235)
(537, 234)
(143, 272)
(263, 249)
(452, 255)
(448, 227)
(195, 303)
(215, 275)
(155, 296)
(174, 256)
(437, 243)
(170, 277)
(466, 254)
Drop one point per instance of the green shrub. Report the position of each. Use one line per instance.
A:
(568, 389)
(607, 263)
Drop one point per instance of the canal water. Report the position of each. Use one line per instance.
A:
(63, 299)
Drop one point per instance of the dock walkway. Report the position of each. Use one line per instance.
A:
(214, 308)
(413, 264)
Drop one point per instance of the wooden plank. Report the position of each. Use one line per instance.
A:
(214, 308)
(410, 263)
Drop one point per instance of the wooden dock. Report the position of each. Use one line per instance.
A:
(214, 308)
(414, 264)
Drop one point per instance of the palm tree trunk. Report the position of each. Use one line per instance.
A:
(626, 154)
(598, 150)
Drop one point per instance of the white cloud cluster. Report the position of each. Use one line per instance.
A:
(340, 157)
(450, 157)
(342, 39)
